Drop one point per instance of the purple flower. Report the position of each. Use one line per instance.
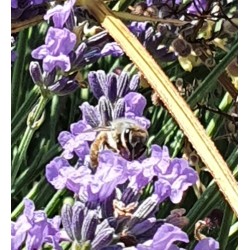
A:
(34, 228)
(112, 49)
(134, 106)
(83, 227)
(178, 177)
(164, 238)
(142, 173)
(60, 13)
(111, 172)
(54, 53)
(207, 244)
(76, 141)
(60, 174)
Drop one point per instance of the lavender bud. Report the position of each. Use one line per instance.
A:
(89, 225)
(89, 114)
(49, 78)
(107, 223)
(98, 39)
(129, 196)
(119, 110)
(107, 206)
(106, 110)
(112, 87)
(64, 86)
(91, 56)
(36, 73)
(95, 84)
(102, 239)
(77, 220)
(146, 208)
(151, 232)
(123, 84)
(102, 79)
(142, 227)
(134, 82)
(70, 23)
(66, 215)
(76, 56)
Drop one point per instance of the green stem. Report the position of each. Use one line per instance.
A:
(225, 227)
(32, 193)
(28, 134)
(18, 69)
(54, 201)
(18, 121)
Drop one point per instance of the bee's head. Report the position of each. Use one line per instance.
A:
(136, 139)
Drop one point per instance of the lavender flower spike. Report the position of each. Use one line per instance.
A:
(33, 229)
(80, 223)
(60, 13)
(54, 53)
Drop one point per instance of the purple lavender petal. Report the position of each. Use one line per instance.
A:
(29, 208)
(58, 44)
(164, 238)
(36, 235)
(112, 49)
(50, 62)
(111, 171)
(60, 13)
(34, 228)
(135, 103)
(178, 177)
(57, 172)
(19, 231)
(163, 158)
(207, 244)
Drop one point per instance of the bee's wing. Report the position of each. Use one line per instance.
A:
(98, 129)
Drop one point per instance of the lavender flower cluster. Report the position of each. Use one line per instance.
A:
(109, 210)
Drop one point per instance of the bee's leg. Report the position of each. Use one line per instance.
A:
(96, 146)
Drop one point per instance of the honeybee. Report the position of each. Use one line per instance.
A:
(124, 136)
